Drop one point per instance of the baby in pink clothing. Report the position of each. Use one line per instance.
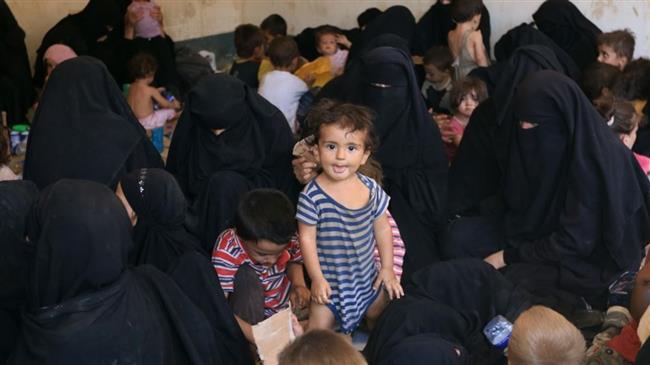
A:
(147, 26)
(142, 96)
(466, 94)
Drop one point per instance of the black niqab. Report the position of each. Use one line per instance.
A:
(576, 196)
(563, 22)
(85, 306)
(84, 129)
(483, 154)
(159, 235)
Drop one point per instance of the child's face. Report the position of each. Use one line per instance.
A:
(468, 103)
(341, 151)
(264, 252)
(607, 55)
(434, 75)
(327, 45)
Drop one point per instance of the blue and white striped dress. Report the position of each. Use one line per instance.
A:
(345, 243)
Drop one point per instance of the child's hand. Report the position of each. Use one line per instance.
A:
(496, 260)
(309, 79)
(295, 324)
(320, 291)
(343, 40)
(299, 296)
(392, 285)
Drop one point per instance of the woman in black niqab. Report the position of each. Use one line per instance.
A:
(563, 22)
(84, 129)
(577, 200)
(16, 198)
(410, 149)
(229, 140)
(85, 306)
(159, 236)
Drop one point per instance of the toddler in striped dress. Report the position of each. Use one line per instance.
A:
(341, 214)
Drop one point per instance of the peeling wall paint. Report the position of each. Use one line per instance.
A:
(187, 19)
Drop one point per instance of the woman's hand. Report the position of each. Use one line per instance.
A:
(299, 296)
(303, 169)
(496, 260)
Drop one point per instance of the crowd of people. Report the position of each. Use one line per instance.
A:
(401, 179)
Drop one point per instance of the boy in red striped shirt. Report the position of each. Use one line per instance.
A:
(259, 261)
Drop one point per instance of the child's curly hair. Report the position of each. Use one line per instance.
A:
(349, 116)
(142, 65)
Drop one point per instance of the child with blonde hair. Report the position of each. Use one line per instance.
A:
(320, 347)
(542, 336)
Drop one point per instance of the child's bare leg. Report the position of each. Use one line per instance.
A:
(376, 309)
(320, 317)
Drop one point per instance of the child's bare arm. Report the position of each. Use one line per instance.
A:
(299, 295)
(320, 289)
(480, 54)
(384, 238)
(157, 96)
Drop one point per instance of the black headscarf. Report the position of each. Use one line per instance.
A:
(16, 198)
(397, 20)
(84, 129)
(16, 90)
(85, 306)
(576, 197)
(196, 276)
(563, 22)
(255, 142)
(483, 154)
(452, 300)
(527, 35)
(434, 26)
(159, 235)
(214, 171)
(78, 31)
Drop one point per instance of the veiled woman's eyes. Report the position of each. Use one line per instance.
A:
(527, 125)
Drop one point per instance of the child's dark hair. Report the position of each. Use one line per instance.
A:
(325, 30)
(5, 145)
(598, 76)
(275, 25)
(620, 115)
(142, 65)
(282, 51)
(621, 41)
(440, 57)
(265, 214)
(247, 38)
(349, 116)
(464, 10)
(634, 83)
(367, 16)
(320, 347)
(465, 86)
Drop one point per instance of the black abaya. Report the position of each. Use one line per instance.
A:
(84, 129)
(159, 235)
(16, 90)
(16, 198)
(563, 22)
(84, 304)
(214, 170)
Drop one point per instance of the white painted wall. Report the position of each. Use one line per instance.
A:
(186, 19)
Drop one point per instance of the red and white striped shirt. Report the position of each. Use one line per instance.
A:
(229, 254)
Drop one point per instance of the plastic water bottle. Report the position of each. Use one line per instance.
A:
(498, 332)
(157, 138)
